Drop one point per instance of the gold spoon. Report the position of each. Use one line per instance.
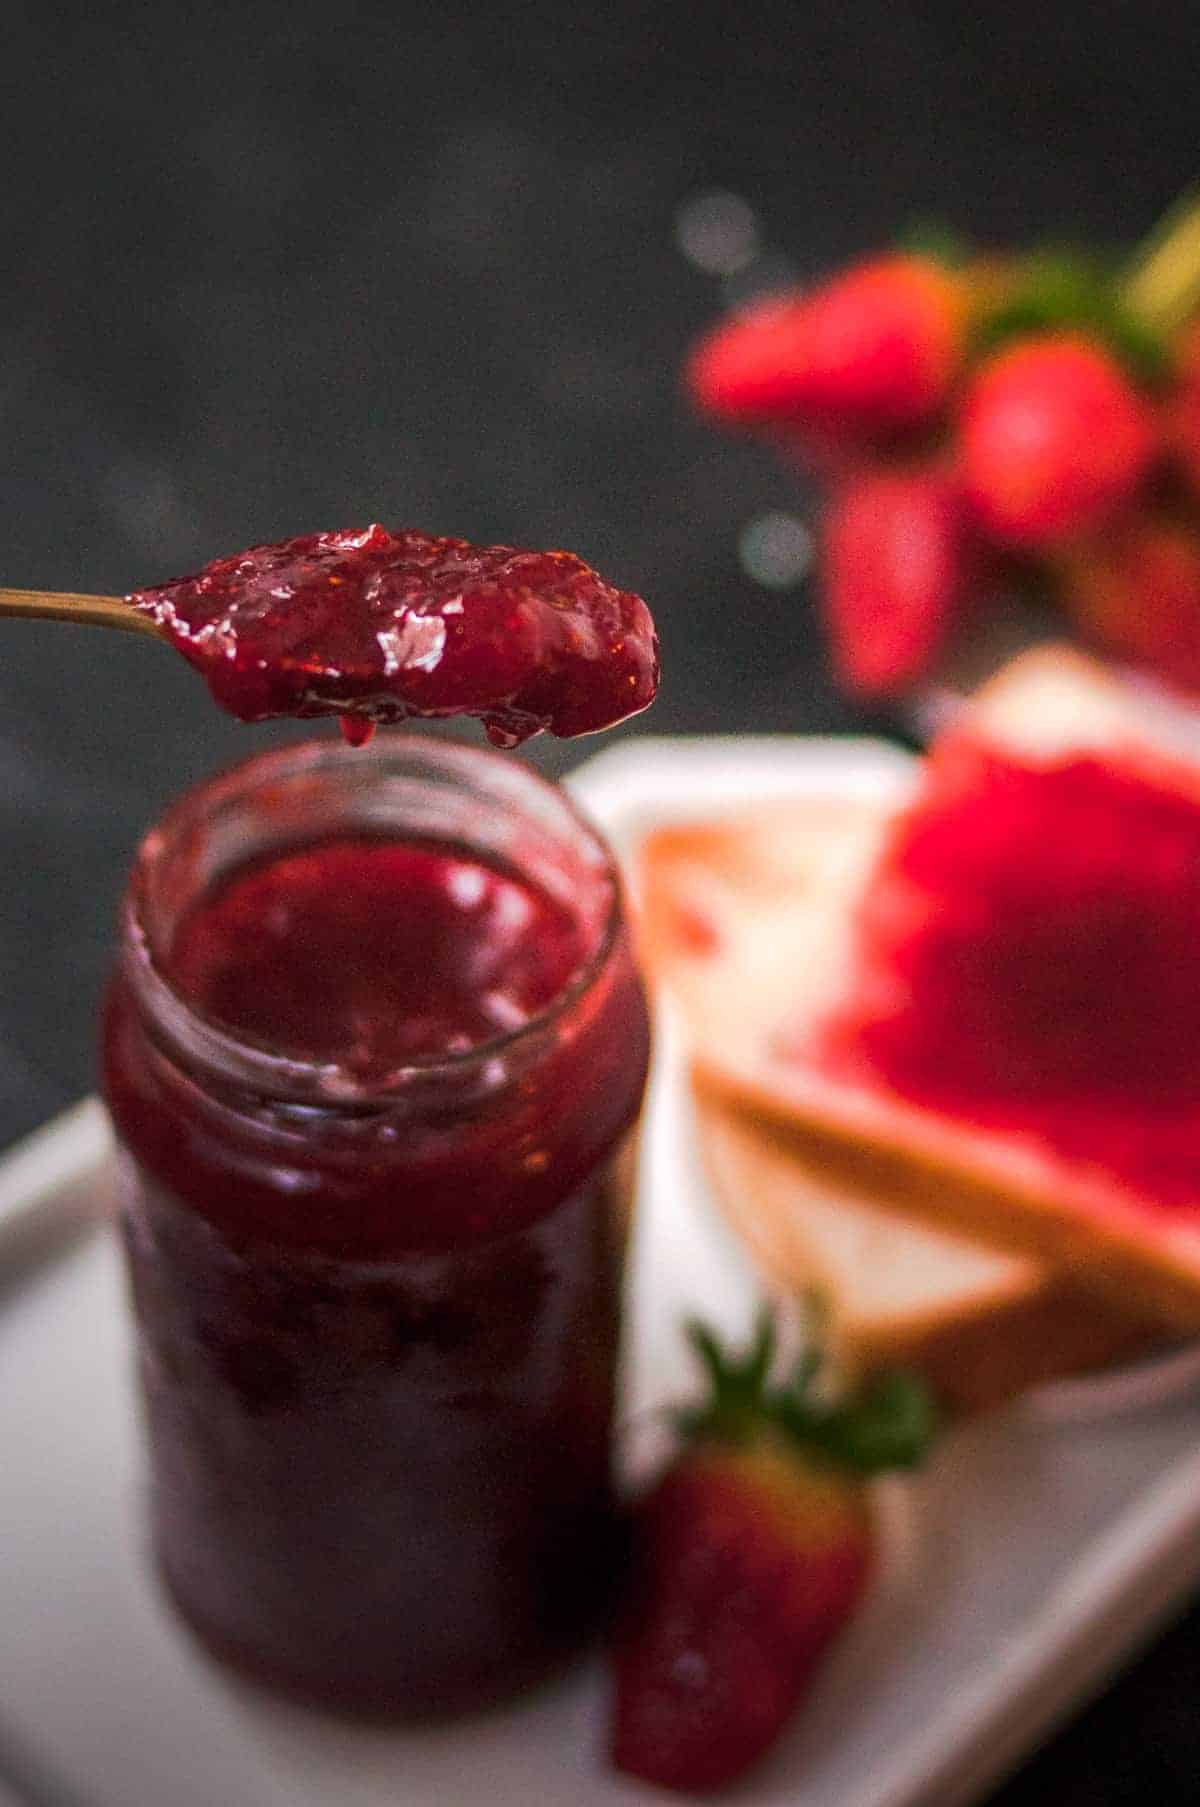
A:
(65, 605)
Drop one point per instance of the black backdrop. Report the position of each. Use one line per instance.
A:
(269, 268)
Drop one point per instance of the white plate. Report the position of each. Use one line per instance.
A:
(1043, 1552)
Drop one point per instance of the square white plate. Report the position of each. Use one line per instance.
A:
(1027, 1560)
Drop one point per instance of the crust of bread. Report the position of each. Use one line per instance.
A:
(981, 1326)
(984, 1185)
(772, 893)
(1055, 699)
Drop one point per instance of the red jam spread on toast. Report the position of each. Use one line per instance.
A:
(1029, 958)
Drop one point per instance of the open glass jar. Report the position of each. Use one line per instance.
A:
(377, 1313)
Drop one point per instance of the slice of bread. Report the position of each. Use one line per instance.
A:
(980, 1325)
(749, 920)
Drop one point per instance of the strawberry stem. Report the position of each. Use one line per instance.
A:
(1161, 282)
(734, 1408)
(888, 1422)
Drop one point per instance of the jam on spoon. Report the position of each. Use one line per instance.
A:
(376, 626)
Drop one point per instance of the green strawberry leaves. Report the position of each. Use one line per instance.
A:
(736, 1404)
(1065, 290)
(1062, 288)
(888, 1422)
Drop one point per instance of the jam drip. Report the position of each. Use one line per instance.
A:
(1029, 959)
(387, 626)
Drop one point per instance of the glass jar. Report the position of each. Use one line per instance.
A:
(377, 1320)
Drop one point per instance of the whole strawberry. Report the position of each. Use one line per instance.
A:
(1054, 439)
(867, 355)
(896, 577)
(751, 1554)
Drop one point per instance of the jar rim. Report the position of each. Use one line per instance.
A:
(252, 1062)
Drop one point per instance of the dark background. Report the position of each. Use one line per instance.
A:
(276, 268)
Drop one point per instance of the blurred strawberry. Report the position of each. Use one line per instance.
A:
(895, 577)
(752, 1551)
(1136, 595)
(1054, 439)
(870, 353)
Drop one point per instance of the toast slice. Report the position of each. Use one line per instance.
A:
(982, 1326)
(750, 922)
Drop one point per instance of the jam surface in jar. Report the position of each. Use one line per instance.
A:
(373, 953)
(375, 1242)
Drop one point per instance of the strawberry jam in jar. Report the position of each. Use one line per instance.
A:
(375, 1048)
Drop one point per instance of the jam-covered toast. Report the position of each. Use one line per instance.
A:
(755, 923)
